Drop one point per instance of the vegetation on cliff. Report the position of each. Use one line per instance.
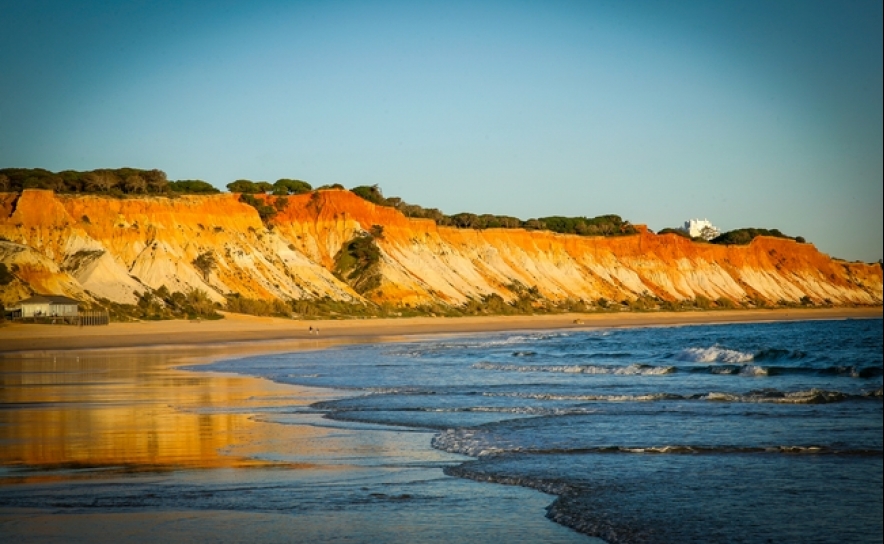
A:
(117, 182)
(740, 237)
(744, 236)
(282, 187)
(357, 262)
(603, 225)
(120, 182)
(160, 304)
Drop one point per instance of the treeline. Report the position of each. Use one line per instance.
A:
(109, 181)
(282, 187)
(120, 182)
(744, 236)
(739, 237)
(603, 225)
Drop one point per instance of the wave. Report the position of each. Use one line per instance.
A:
(853, 372)
(811, 396)
(588, 521)
(714, 354)
(773, 354)
(589, 398)
(759, 370)
(630, 370)
(478, 444)
(639, 369)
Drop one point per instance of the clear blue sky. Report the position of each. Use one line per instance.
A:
(748, 113)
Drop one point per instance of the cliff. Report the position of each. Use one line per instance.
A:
(92, 246)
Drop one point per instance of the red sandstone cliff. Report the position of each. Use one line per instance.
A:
(115, 248)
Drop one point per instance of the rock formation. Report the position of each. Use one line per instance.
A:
(103, 247)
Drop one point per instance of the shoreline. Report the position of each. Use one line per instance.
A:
(238, 332)
(176, 406)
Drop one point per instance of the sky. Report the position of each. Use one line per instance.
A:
(747, 113)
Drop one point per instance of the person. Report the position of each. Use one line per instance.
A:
(311, 329)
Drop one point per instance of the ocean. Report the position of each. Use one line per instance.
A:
(756, 432)
(761, 432)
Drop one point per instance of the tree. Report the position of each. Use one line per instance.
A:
(6, 276)
(192, 186)
(101, 181)
(248, 187)
(200, 302)
(291, 187)
(243, 186)
(466, 220)
(372, 194)
(708, 233)
(205, 263)
(156, 181)
(135, 184)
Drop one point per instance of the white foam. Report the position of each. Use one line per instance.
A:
(631, 370)
(753, 370)
(714, 354)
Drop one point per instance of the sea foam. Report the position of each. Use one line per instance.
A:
(714, 354)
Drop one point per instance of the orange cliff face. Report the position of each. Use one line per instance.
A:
(117, 248)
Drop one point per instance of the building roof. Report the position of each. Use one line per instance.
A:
(51, 299)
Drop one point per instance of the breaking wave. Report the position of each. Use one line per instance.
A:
(630, 370)
(714, 354)
(811, 396)
(479, 444)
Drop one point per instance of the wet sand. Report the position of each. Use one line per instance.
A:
(100, 433)
(121, 445)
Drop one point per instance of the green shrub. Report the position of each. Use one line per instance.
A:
(371, 193)
(205, 263)
(702, 302)
(251, 306)
(192, 186)
(6, 276)
(744, 236)
(357, 263)
(265, 212)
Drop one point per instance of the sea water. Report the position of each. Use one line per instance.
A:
(763, 432)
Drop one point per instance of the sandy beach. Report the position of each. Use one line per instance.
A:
(236, 331)
(104, 415)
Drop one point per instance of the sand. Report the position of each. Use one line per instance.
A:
(88, 409)
(111, 441)
(238, 332)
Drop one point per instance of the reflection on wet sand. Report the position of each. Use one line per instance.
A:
(131, 412)
(112, 447)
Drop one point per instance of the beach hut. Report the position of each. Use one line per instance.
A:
(47, 306)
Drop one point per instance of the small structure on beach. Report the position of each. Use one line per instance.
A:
(47, 306)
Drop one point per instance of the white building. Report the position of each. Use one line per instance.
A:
(700, 228)
(47, 306)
